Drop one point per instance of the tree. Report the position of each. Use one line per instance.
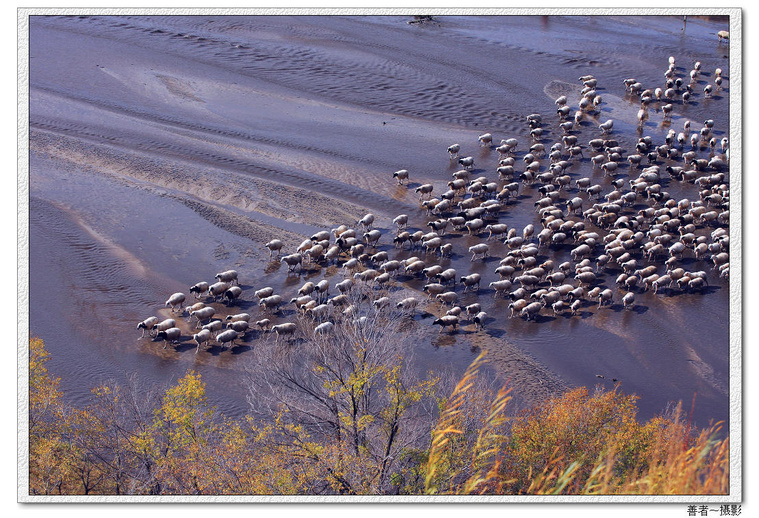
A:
(347, 403)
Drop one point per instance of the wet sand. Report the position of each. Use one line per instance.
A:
(166, 149)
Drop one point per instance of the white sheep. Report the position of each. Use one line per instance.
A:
(453, 151)
(424, 190)
(324, 328)
(480, 249)
(531, 311)
(471, 281)
(229, 276)
(171, 334)
(202, 337)
(274, 246)
(214, 326)
(203, 314)
(466, 162)
(264, 324)
(228, 336)
(239, 317)
(239, 326)
(199, 289)
(292, 261)
(147, 325)
(164, 325)
(271, 303)
(366, 222)
(287, 329)
(407, 304)
(447, 298)
(446, 321)
(232, 293)
(372, 237)
(401, 176)
(177, 299)
(217, 289)
(485, 139)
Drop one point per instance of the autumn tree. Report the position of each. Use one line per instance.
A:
(50, 453)
(350, 411)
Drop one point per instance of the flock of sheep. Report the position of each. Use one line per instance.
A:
(618, 222)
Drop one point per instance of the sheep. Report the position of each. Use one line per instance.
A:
(446, 321)
(485, 139)
(229, 276)
(199, 289)
(453, 151)
(531, 311)
(517, 306)
(447, 276)
(474, 225)
(147, 325)
(287, 329)
(586, 277)
(177, 299)
(232, 293)
(501, 286)
(214, 326)
(433, 289)
(228, 336)
(432, 271)
(400, 176)
(203, 314)
(723, 35)
(314, 253)
(580, 251)
(271, 303)
(549, 298)
(239, 326)
(264, 324)
(466, 162)
(407, 304)
(480, 249)
(447, 298)
(324, 328)
(496, 230)
(606, 127)
(366, 222)
(605, 297)
(609, 168)
(195, 307)
(302, 302)
(164, 325)
(239, 317)
(171, 334)
(203, 336)
(274, 246)
(471, 281)
(322, 289)
(372, 237)
(424, 190)
(318, 312)
(292, 261)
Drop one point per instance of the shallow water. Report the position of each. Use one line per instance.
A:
(166, 149)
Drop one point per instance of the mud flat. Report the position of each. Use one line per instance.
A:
(166, 149)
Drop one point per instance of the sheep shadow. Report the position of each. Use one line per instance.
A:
(639, 309)
(183, 346)
(239, 349)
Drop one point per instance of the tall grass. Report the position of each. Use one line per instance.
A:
(578, 443)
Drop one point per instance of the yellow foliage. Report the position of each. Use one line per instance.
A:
(577, 443)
